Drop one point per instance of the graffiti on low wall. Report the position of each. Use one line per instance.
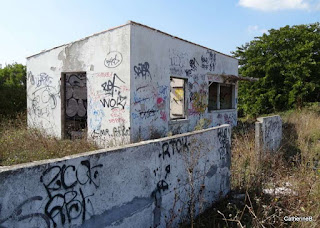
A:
(134, 186)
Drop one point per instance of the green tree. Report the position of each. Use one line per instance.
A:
(287, 63)
(12, 89)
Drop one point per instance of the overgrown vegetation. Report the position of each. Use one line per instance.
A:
(285, 183)
(13, 96)
(287, 63)
(18, 144)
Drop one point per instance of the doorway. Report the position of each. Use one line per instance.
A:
(74, 107)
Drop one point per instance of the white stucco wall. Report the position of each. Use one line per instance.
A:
(140, 185)
(108, 84)
(154, 58)
(128, 84)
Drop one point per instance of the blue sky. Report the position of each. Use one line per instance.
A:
(27, 27)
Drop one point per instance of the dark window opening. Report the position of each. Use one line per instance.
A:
(226, 96)
(75, 105)
(213, 96)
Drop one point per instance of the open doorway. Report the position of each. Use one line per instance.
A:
(74, 105)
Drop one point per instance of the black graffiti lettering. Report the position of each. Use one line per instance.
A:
(56, 209)
(63, 182)
(142, 70)
(224, 142)
(173, 145)
(185, 144)
(88, 173)
(165, 150)
(63, 203)
(178, 145)
(18, 215)
(95, 134)
(209, 62)
(110, 86)
(121, 131)
(116, 100)
(54, 181)
(193, 64)
(147, 114)
(113, 59)
(119, 102)
(74, 207)
(162, 185)
(167, 171)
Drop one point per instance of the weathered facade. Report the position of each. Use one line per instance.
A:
(128, 84)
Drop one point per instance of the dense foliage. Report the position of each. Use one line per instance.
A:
(287, 61)
(12, 89)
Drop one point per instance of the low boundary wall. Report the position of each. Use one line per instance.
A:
(147, 184)
(268, 134)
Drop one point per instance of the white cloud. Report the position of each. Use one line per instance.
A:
(274, 5)
(256, 30)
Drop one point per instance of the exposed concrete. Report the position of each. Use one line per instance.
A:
(128, 72)
(268, 134)
(145, 184)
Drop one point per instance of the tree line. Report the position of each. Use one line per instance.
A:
(13, 95)
(287, 63)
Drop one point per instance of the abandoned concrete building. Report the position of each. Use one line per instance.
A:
(130, 83)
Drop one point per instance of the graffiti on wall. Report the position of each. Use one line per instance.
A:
(108, 110)
(69, 189)
(225, 147)
(43, 96)
(72, 192)
(178, 61)
(112, 90)
(142, 71)
(149, 100)
(198, 96)
(208, 61)
(193, 63)
(168, 150)
(113, 59)
(102, 134)
(22, 215)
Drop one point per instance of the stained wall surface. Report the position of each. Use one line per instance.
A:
(104, 58)
(268, 133)
(147, 184)
(155, 57)
(127, 71)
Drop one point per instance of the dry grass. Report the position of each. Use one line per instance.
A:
(295, 167)
(19, 144)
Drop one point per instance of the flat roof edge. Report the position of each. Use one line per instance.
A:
(120, 26)
(175, 37)
(87, 37)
